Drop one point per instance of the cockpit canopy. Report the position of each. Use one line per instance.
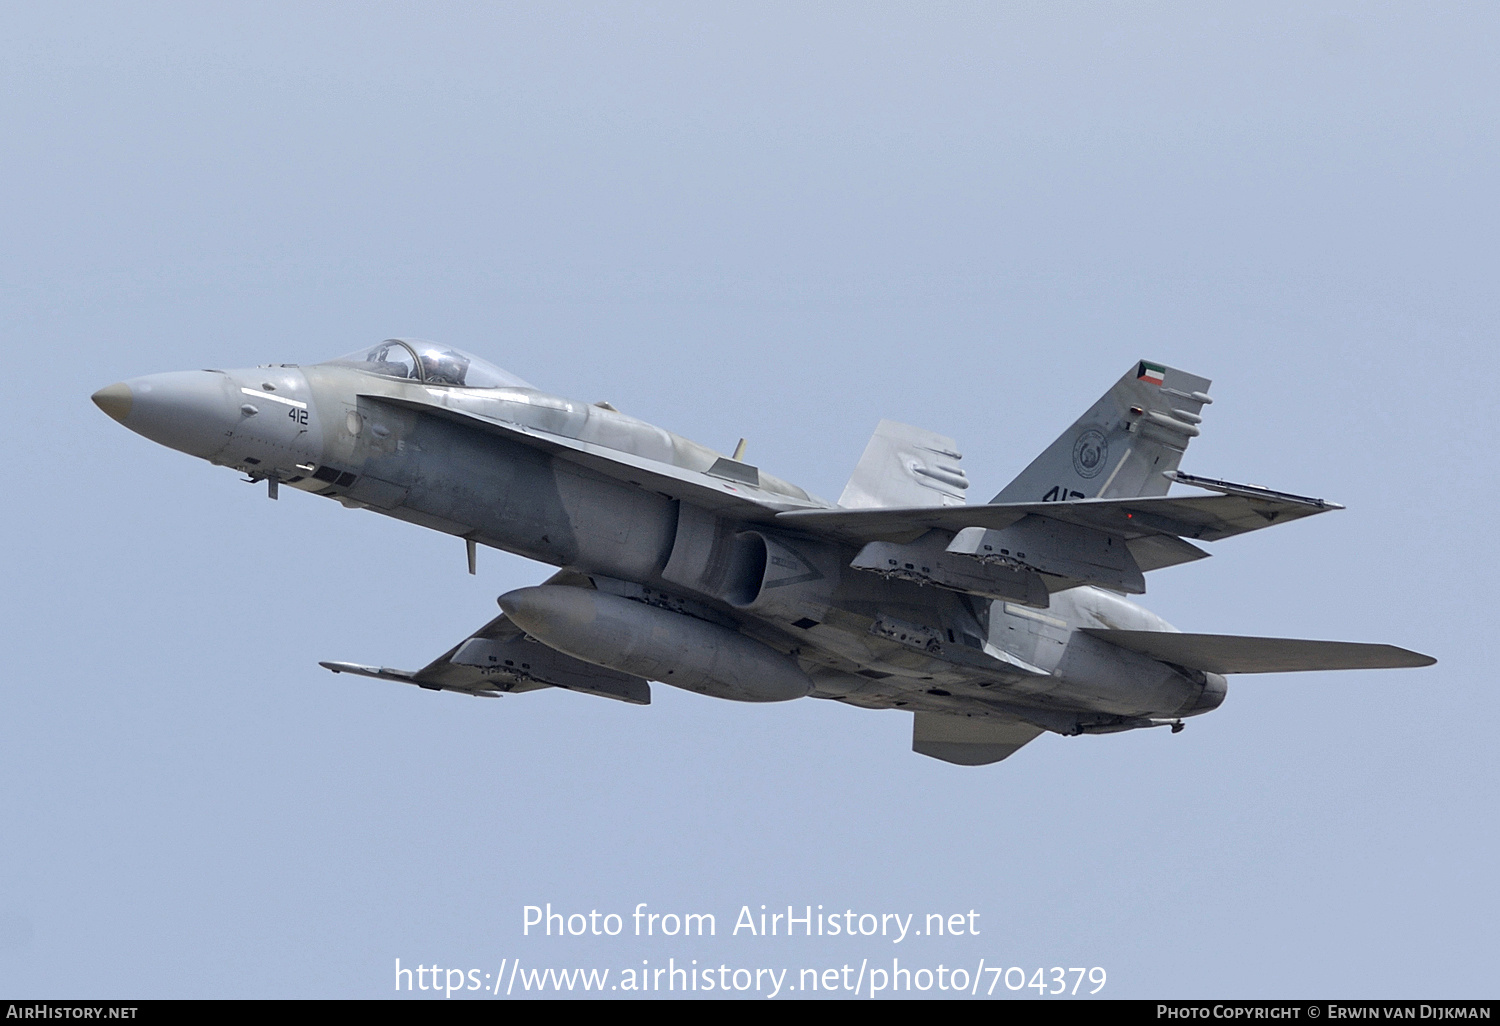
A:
(431, 364)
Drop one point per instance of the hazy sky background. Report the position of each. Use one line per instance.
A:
(782, 222)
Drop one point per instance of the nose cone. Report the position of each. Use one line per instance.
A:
(190, 411)
(114, 400)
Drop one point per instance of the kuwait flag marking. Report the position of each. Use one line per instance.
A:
(1155, 373)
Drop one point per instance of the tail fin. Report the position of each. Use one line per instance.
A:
(1121, 446)
(906, 466)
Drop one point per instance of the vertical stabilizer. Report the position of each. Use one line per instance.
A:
(969, 740)
(906, 466)
(1123, 444)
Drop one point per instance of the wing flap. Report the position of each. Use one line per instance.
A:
(1230, 653)
(969, 740)
(1155, 551)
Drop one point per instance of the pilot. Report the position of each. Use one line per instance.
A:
(444, 366)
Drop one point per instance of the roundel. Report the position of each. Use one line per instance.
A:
(1089, 452)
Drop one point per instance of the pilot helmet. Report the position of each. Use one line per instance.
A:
(444, 366)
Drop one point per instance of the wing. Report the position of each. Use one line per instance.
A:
(1021, 551)
(969, 740)
(1201, 517)
(1228, 653)
(499, 658)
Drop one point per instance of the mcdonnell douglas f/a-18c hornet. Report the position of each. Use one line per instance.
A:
(989, 623)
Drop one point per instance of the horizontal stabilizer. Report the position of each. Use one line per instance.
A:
(969, 740)
(1230, 653)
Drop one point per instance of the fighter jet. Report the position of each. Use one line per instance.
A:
(991, 624)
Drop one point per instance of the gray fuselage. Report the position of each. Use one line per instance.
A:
(411, 449)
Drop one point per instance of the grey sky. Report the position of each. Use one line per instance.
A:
(782, 222)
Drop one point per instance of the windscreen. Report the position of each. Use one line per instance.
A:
(431, 363)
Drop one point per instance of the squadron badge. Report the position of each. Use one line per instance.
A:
(1089, 452)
